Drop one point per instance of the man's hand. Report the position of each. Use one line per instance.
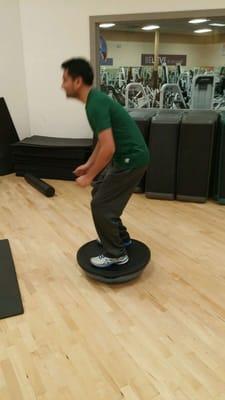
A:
(81, 170)
(84, 180)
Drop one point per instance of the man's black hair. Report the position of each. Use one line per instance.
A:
(79, 67)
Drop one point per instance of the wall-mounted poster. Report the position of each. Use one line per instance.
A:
(169, 59)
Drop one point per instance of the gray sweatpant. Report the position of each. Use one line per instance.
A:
(111, 192)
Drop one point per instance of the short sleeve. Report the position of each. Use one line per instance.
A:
(100, 118)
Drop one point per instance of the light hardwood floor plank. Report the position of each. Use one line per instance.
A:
(160, 337)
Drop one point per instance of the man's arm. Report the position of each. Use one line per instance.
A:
(82, 169)
(93, 155)
(102, 157)
(106, 150)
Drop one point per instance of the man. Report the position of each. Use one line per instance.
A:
(120, 145)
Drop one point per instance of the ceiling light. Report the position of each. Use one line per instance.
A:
(217, 24)
(203, 30)
(198, 21)
(108, 25)
(150, 27)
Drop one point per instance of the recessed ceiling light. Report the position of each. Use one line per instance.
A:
(198, 21)
(108, 25)
(150, 27)
(217, 24)
(203, 30)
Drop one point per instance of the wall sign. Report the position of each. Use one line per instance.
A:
(107, 61)
(102, 48)
(170, 59)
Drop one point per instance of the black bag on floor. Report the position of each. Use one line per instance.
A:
(195, 155)
(218, 176)
(143, 118)
(160, 180)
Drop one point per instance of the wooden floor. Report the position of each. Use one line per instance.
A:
(161, 337)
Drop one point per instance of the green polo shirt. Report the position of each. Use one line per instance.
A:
(103, 113)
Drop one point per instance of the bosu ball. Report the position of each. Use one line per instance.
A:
(139, 256)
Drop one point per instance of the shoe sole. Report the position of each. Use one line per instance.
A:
(122, 262)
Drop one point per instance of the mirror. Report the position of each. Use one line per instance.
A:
(166, 63)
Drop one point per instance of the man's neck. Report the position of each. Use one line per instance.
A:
(84, 94)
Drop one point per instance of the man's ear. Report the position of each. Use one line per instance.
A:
(79, 81)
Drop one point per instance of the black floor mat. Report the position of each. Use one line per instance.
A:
(10, 298)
